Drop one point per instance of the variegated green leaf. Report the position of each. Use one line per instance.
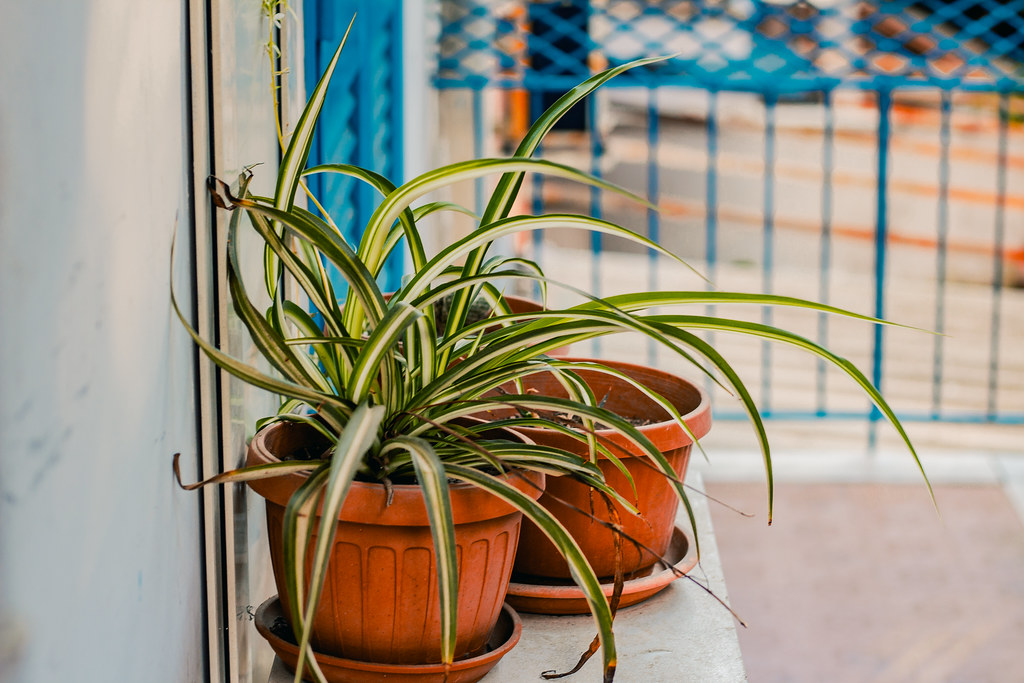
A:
(433, 482)
(433, 207)
(308, 419)
(314, 284)
(780, 335)
(579, 568)
(722, 365)
(319, 234)
(296, 540)
(644, 300)
(328, 354)
(252, 473)
(357, 438)
(511, 226)
(504, 195)
(297, 152)
(376, 358)
(406, 220)
(617, 423)
(375, 236)
(333, 405)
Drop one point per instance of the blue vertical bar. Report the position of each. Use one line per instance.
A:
(711, 210)
(998, 256)
(942, 219)
(768, 244)
(400, 262)
(825, 257)
(881, 242)
(653, 217)
(367, 125)
(537, 190)
(711, 189)
(478, 147)
(596, 239)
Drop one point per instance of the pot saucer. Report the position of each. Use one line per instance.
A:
(503, 638)
(567, 598)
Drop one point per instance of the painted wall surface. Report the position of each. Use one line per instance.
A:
(99, 550)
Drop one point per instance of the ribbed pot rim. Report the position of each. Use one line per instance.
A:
(666, 435)
(367, 502)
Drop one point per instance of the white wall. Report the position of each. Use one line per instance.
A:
(101, 567)
(99, 550)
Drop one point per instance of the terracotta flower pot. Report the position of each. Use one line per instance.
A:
(380, 597)
(656, 499)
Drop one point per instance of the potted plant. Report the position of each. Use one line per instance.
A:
(591, 524)
(377, 402)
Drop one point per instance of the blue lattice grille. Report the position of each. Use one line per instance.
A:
(746, 45)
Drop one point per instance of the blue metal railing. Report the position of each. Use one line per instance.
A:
(787, 54)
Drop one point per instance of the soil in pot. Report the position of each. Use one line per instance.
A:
(656, 499)
(380, 597)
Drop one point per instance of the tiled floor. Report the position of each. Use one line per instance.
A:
(863, 582)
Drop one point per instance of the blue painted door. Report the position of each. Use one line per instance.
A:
(361, 121)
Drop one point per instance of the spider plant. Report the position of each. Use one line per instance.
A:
(389, 388)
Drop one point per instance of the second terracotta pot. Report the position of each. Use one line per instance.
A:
(656, 499)
(380, 598)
